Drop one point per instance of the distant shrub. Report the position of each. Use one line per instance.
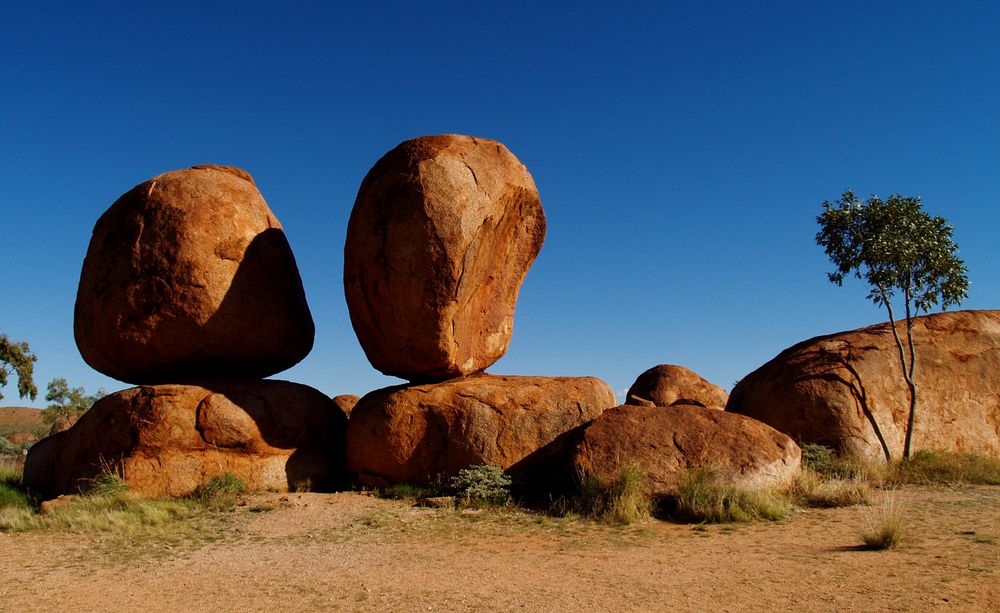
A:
(709, 494)
(482, 485)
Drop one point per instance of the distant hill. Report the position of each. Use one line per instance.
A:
(19, 419)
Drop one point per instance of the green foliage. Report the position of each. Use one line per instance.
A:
(895, 247)
(221, 491)
(621, 501)
(7, 447)
(12, 492)
(108, 483)
(482, 485)
(16, 358)
(928, 467)
(66, 403)
(709, 494)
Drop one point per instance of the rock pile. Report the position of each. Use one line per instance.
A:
(442, 234)
(190, 289)
(846, 390)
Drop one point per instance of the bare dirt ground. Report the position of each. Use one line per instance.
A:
(356, 552)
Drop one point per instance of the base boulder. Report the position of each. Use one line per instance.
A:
(417, 433)
(166, 440)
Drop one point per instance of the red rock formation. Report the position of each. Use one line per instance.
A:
(346, 402)
(663, 444)
(667, 384)
(189, 276)
(442, 234)
(166, 440)
(416, 433)
(846, 390)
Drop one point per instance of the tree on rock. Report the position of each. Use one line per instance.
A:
(67, 404)
(903, 254)
(16, 358)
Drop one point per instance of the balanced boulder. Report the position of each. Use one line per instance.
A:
(166, 440)
(666, 385)
(847, 390)
(442, 234)
(189, 276)
(664, 443)
(418, 433)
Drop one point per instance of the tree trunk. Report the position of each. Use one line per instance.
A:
(907, 369)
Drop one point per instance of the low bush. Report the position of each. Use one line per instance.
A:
(884, 523)
(482, 485)
(709, 494)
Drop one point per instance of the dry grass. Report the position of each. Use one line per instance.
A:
(709, 494)
(621, 501)
(884, 523)
(813, 490)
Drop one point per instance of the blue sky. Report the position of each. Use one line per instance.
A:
(681, 150)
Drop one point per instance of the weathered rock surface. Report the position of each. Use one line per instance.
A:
(846, 390)
(666, 385)
(189, 275)
(346, 402)
(166, 440)
(665, 443)
(416, 433)
(442, 234)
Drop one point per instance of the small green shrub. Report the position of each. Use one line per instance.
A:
(884, 523)
(709, 494)
(482, 485)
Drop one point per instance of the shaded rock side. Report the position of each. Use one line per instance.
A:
(667, 384)
(166, 440)
(664, 444)
(442, 234)
(846, 390)
(418, 433)
(189, 276)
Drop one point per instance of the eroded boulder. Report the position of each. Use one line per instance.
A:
(418, 433)
(166, 440)
(664, 443)
(846, 390)
(667, 385)
(189, 276)
(442, 234)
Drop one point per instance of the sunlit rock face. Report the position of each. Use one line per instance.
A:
(442, 234)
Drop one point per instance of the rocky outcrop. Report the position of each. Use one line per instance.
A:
(846, 390)
(418, 433)
(166, 440)
(666, 385)
(189, 276)
(442, 234)
(346, 402)
(664, 444)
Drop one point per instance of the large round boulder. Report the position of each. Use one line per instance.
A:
(166, 440)
(442, 234)
(189, 275)
(667, 385)
(419, 433)
(664, 444)
(847, 391)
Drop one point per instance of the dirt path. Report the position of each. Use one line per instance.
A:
(355, 552)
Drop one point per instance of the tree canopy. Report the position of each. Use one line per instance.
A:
(66, 403)
(16, 358)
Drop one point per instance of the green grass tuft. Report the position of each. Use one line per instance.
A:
(621, 501)
(12, 492)
(708, 494)
(220, 492)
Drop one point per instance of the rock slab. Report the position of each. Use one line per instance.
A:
(668, 384)
(441, 236)
(166, 440)
(846, 390)
(189, 276)
(418, 433)
(664, 443)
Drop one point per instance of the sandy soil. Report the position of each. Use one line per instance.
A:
(355, 552)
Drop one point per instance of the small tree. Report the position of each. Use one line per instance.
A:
(895, 247)
(67, 404)
(16, 358)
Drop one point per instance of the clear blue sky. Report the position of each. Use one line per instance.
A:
(681, 149)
